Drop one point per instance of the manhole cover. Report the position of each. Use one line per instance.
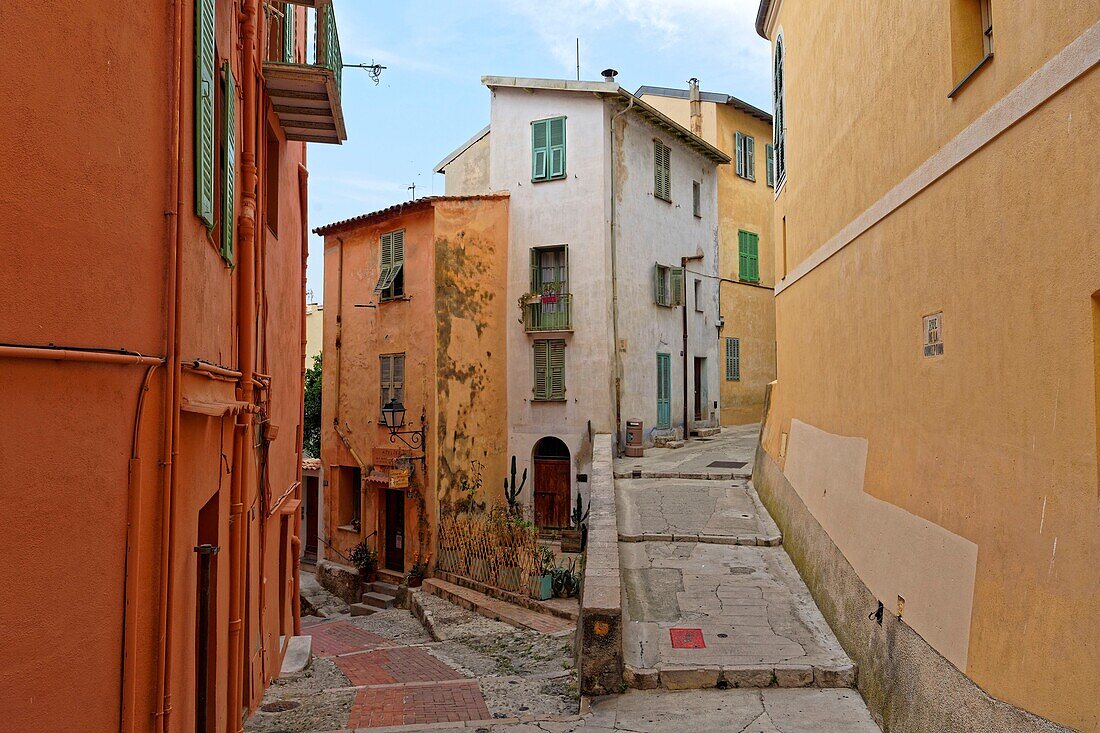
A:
(740, 571)
(726, 464)
(279, 706)
(687, 638)
(723, 636)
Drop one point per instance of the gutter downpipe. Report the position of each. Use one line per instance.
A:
(684, 308)
(615, 293)
(246, 338)
(296, 540)
(339, 376)
(170, 438)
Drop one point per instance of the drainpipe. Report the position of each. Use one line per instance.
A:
(170, 439)
(684, 307)
(296, 541)
(246, 339)
(615, 294)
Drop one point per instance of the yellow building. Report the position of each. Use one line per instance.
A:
(746, 261)
(931, 440)
(315, 322)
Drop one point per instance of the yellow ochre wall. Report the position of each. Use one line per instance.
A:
(965, 483)
(748, 311)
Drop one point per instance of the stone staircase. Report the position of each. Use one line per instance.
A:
(380, 595)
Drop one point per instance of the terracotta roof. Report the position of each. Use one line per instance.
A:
(716, 97)
(311, 464)
(404, 207)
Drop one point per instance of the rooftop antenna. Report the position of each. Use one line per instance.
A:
(578, 59)
(373, 70)
(412, 188)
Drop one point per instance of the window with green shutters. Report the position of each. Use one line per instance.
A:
(548, 149)
(662, 171)
(549, 369)
(288, 33)
(664, 390)
(391, 276)
(769, 150)
(229, 161)
(746, 156)
(668, 285)
(205, 72)
(733, 359)
(748, 256)
(779, 115)
(391, 377)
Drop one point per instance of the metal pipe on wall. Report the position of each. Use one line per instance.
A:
(684, 308)
(303, 204)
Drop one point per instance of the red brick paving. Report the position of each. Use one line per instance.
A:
(402, 664)
(340, 637)
(441, 703)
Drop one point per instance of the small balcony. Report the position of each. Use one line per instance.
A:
(548, 313)
(305, 87)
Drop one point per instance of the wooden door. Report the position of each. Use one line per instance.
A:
(310, 519)
(664, 390)
(552, 492)
(395, 530)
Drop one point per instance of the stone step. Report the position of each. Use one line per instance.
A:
(496, 609)
(298, 656)
(682, 677)
(705, 432)
(362, 609)
(381, 586)
(390, 576)
(378, 600)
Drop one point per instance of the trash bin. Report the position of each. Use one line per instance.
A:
(634, 439)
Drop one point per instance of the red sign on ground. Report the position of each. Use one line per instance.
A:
(687, 638)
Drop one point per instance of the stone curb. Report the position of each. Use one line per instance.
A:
(424, 616)
(748, 541)
(507, 596)
(690, 475)
(676, 677)
(434, 589)
(466, 724)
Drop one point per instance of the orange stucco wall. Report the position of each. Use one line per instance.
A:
(450, 327)
(85, 252)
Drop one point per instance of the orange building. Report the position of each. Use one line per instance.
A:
(413, 313)
(151, 342)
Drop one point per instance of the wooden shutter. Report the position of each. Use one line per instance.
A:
(748, 256)
(229, 163)
(739, 146)
(557, 147)
(556, 362)
(750, 158)
(770, 175)
(397, 388)
(668, 171)
(664, 390)
(662, 181)
(204, 111)
(540, 144)
(542, 361)
(742, 256)
(676, 285)
(385, 377)
(733, 359)
(660, 285)
(385, 262)
(288, 33)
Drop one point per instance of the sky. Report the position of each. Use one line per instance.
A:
(430, 98)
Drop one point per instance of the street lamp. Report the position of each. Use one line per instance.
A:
(393, 417)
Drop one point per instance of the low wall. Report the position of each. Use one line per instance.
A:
(908, 685)
(600, 630)
(340, 580)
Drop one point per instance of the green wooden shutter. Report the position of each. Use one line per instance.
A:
(733, 359)
(750, 158)
(739, 146)
(660, 285)
(676, 285)
(385, 262)
(662, 181)
(540, 144)
(204, 111)
(664, 390)
(557, 147)
(229, 162)
(542, 361)
(769, 152)
(748, 256)
(398, 386)
(288, 33)
(556, 363)
(385, 380)
(742, 256)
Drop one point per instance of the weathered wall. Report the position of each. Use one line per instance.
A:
(315, 320)
(468, 174)
(471, 312)
(989, 452)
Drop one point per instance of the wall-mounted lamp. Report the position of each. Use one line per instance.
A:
(393, 417)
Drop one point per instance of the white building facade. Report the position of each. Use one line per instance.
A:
(612, 272)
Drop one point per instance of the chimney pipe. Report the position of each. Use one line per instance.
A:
(609, 74)
(696, 107)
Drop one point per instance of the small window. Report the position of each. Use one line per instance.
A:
(272, 169)
(746, 156)
(971, 39)
(548, 149)
(733, 359)
(391, 272)
(779, 118)
(668, 285)
(696, 199)
(698, 295)
(748, 256)
(549, 382)
(392, 378)
(662, 177)
(769, 151)
(350, 484)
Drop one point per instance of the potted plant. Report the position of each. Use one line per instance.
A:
(542, 586)
(417, 573)
(366, 560)
(572, 539)
(566, 581)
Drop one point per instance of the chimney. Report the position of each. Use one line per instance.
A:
(609, 75)
(696, 107)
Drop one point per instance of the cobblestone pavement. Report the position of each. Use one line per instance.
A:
(735, 444)
(384, 670)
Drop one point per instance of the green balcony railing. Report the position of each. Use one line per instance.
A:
(549, 313)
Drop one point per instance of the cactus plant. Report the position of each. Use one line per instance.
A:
(512, 491)
(579, 517)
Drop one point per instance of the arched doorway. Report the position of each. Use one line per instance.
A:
(552, 483)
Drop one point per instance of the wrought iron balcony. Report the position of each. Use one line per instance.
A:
(305, 88)
(548, 313)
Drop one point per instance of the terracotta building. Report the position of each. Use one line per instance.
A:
(931, 444)
(414, 317)
(151, 341)
(746, 245)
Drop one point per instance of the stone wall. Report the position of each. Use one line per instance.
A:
(340, 580)
(600, 631)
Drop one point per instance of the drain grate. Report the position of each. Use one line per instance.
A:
(687, 638)
(740, 571)
(727, 464)
(279, 706)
